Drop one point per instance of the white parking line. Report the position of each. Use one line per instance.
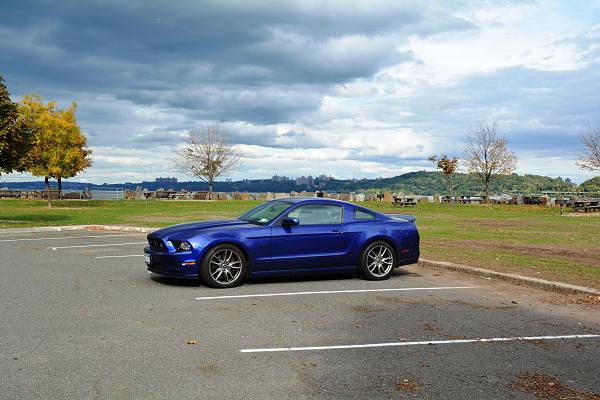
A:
(95, 245)
(421, 343)
(334, 292)
(66, 237)
(132, 255)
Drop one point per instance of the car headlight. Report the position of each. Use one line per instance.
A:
(181, 245)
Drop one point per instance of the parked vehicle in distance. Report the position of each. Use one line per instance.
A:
(286, 237)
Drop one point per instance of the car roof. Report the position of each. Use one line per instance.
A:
(297, 200)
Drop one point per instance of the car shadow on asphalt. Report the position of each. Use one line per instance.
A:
(279, 279)
(166, 280)
(322, 277)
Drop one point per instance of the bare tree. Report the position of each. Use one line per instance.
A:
(448, 167)
(487, 154)
(207, 155)
(590, 158)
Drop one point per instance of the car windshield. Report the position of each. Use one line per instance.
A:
(265, 213)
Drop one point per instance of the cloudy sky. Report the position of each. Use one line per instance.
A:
(346, 88)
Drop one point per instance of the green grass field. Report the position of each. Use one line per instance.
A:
(530, 240)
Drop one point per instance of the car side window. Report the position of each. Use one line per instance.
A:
(361, 215)
(317, 214)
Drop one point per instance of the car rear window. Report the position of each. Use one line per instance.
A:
(363, 215)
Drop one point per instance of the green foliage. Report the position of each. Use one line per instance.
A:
(429, 183)
(15, 140)
(591, 185)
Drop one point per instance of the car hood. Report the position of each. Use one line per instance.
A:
(192, 228)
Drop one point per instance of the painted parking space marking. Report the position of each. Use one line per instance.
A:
(95, 245)
(66, 237)
(131, 255)
(421, 343)
(241, 296)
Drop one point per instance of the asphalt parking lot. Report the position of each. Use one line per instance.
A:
(81, 318)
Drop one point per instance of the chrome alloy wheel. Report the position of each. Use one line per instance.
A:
(380, 261)
(225, 266)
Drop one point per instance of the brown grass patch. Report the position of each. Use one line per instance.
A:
(589, 256)
(584, 214)
(503, 223)
(586, 255)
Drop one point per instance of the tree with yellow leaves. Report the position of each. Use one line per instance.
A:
(59, 148)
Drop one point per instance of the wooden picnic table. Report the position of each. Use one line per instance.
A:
(587, 205)
(463, 199)
(404, 201)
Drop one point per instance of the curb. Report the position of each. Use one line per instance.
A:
(543, 284)
(78, 228)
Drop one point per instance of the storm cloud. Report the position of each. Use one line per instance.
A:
(366, 88)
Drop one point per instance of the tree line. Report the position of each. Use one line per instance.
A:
(41, 139)
(487, 156)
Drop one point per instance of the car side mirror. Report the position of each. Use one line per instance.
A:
(290, 221)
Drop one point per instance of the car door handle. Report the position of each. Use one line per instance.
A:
(337, 231)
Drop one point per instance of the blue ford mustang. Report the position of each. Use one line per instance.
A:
(286, 237)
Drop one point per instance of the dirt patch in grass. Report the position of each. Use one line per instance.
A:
(584, 214)
(503, 223)
(157, 218)
(54, 208)
(589, 256)
(547, 387)
(581, 256)
(570, 273)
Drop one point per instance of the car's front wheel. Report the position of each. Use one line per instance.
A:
(224, 266)
(377, 261)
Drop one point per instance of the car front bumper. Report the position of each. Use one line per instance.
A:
(178, 265)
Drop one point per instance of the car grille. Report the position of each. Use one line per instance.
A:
(156, 244)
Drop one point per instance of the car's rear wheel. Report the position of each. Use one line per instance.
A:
(224, 266)
(377, 261)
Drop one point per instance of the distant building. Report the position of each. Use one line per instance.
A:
(276, 178)
(166, 180)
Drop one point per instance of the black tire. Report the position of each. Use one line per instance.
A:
(377, 261)
(224, 266)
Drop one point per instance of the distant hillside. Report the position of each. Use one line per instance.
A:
(466, 184)
(591, 185)
(424, 183)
